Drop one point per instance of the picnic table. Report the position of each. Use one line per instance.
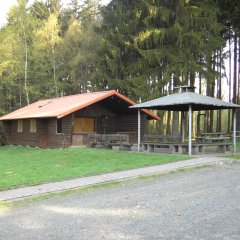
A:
(210, 137)
(237, 135)
(171, 143)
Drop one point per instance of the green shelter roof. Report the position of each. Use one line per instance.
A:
(181, 101)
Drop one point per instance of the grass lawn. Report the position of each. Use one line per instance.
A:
(237, 155)
(21, 166)
(238, 146)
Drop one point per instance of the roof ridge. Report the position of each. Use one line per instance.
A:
(47, 99)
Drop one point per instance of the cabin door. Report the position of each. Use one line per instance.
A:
(43, 132)
(83, 125)
(81, 128)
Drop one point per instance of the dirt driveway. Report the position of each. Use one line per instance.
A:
(199, 204)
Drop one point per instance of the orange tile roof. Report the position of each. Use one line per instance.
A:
(60, 107)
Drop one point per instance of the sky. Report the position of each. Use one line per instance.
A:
(5, 5)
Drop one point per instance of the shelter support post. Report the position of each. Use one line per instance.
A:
(139, 129)
(190, 131)
(183, 126)
(234, 129)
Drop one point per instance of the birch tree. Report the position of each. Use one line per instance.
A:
(21, 24)
(47, 40)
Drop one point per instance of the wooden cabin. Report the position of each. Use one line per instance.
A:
(68, 121)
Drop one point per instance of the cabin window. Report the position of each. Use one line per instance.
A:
(33, 125)
(20, 125)
(59, 125)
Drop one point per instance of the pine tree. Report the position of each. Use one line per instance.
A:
(120, 24)
(229, 17)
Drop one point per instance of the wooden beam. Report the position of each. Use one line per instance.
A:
(139, 129)
(234, 129)
(190, 131)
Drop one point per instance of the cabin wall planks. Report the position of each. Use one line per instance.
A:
(107, 119)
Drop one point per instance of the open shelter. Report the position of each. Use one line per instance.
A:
(188, 102)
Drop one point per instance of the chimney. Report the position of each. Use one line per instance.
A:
(185, 88)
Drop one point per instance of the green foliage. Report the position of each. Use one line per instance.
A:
(78, 52)
(229, 16)
(117, 53)
(141, 48)
(164, 40)
(46, 41)
(46, 51)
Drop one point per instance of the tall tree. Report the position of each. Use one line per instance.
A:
(229, 16)
(148, 44)
(22, 25)
(47, 39)
(78, 53)
(145, 43)
(10, 90)
(79, 47)
(121, 23)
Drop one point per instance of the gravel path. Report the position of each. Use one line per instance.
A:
(199, 204)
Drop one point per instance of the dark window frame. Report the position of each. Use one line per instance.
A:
(33, 125)
(59, 126)
(20, 125)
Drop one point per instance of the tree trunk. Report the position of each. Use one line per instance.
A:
(238, 88)
(209, 114)
(169, 113)
(175, 121)
(25, 69)
(199, 112)
(234, 97)
(54, 73)
(192, 83)
(26, 60)
(219, 91)
(211, 111)
(192, 78)
(230, 85)
(54, 66)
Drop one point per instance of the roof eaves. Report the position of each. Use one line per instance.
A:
(62, 114)
(108, 94)
(133, 103)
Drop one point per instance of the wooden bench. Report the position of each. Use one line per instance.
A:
(161, 138)
(114, 141)
(182, 148)
(95, 139)
(172, 148)
(132, 136)
(157, 147)
(118, 142)
(214, 137)
(220, 147)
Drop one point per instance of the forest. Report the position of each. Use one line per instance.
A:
(141, 48)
